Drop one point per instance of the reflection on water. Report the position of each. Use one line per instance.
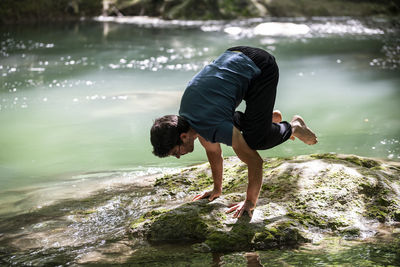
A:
(77, 102)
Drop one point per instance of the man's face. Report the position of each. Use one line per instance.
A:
(187, 146)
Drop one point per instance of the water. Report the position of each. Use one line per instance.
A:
(77, 101)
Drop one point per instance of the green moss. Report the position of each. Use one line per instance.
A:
(273, 163)
(238, 181)
(383, 201)
(363, 162)
(280, 186)
(238, 238)
(324, 156)
(220, 241)
(377, 212)
(308, 219)
(173, 226)
(200, 182)
(396, 215)
(282, 234)
(172, 184)
(221, 215)
(265, 237)
(371, 190)
(367, 163)
(149, 216)
(136, 223)
(154, 213)
(235, 198)
(270, 187)
(350, 232)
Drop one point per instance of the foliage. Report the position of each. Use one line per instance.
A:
(12, 11)
(45, 10)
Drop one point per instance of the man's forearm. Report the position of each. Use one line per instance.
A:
(255, 180)
(214, 155)
(216, 162)
(254, 163)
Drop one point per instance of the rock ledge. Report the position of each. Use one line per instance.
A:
(303, 199)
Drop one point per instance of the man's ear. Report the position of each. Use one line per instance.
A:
(184, 136)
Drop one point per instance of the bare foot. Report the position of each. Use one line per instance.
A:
(276, 116)
(301, 131)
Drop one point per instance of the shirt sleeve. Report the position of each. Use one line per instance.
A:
(223, 133)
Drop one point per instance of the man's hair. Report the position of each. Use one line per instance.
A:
(165, 133)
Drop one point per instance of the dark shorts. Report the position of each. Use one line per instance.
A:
(256, 122)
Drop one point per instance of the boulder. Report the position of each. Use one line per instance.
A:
(302, 199)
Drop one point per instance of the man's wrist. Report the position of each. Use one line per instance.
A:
(250, 203)
(217, 189)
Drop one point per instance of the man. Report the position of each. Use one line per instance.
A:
(207, 113)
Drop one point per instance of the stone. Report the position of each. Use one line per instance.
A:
(302, 199)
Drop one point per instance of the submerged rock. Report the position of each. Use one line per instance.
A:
(302, 199)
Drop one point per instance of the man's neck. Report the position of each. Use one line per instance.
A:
(193, 133)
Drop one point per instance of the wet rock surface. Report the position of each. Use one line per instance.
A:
(303, 199)
(313, 210)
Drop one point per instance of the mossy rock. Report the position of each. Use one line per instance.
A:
(351, 232)
(178, 226)
(302, 198)
(204, 221)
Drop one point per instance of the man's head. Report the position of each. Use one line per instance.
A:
(170, 135)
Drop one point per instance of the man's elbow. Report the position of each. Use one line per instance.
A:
(215, 153)
(257, 161)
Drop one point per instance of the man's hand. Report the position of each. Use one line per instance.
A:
(241, 207)
(210, 194)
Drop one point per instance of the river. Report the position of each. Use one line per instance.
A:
(77, 101)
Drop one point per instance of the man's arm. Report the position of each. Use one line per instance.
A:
(214, 155)
(254, 163)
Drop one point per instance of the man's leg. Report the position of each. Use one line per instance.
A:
(262, 127)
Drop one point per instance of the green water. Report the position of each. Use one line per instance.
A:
(77, 99)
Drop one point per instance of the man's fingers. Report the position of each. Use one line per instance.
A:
(236, 214)
(200, 196)
(212, 197)
(241, 212)
(195, 197)
(250, 213)
(233, 208)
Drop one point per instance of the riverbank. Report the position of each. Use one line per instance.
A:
(316, 209)
(47, 10)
